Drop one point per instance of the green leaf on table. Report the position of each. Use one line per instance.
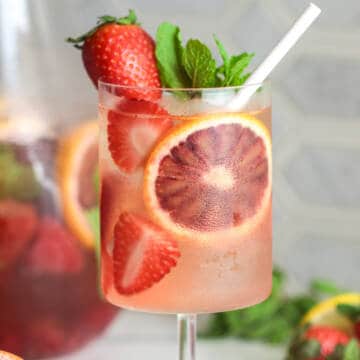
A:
(199, 64)
(17, 180)
(169, 53)
(350, 311)
(352, 351)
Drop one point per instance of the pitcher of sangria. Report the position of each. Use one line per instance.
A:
(49, 298)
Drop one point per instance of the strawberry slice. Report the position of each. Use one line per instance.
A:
(18, 223)
(133, 130)
(55, 250)
(328, 337)
(143, 254)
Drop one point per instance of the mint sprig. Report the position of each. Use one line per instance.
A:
(193, 65)
(231, 73)
(199, 64)
(169, 53)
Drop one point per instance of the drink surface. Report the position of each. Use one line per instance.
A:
(49, 302)
(185, 207)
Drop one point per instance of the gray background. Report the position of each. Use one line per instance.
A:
(316, 131)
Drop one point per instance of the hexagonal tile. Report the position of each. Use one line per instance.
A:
(336, 14)
(317, 257)
(326, 176)
(324, 85)
(183, 6)
(255, 32)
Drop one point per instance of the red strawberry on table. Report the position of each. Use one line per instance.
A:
(328, 337)
(119, 51)
(18, 222)
(55, 250)
(133, 131)
(143, 254)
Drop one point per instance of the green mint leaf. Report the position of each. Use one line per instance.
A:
(237, 65)
(199, 64)
(352, 351)
(350, 311)
(224, 69)
(17, 180)
(169, 53)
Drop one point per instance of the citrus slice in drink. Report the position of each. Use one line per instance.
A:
(325, 313)
(76, 168)
(210, 176)
(4, 355)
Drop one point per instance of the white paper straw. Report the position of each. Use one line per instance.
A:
(276, 55)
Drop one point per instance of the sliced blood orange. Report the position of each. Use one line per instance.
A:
(210, 175)
(76, 165)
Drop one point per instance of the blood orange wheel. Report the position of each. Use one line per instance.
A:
(76, 165)
(210, 175)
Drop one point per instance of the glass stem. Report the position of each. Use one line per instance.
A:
(186, 336)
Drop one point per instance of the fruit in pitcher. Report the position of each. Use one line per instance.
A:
(76, 166)
(55, 251)
(119, 51)
(18, 223)
(4, 355)
(328, 338)
(143, 254)
(210, 174)
(133, 130)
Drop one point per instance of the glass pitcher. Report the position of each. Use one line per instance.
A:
(49, 298)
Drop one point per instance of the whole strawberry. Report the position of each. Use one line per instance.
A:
(119, 51)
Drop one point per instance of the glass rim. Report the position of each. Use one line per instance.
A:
(102, 84)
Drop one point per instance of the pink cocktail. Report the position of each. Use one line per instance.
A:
(185, 200)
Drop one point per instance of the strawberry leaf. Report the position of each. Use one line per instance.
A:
(169, 52)
(130, 19)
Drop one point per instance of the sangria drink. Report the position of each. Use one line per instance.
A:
(185, 200)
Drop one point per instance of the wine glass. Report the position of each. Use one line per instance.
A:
(186, 215)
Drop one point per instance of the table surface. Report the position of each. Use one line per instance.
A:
(134, 336)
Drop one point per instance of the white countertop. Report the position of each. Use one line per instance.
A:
(134, 336)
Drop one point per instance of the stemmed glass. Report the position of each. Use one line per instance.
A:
(185, 201)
